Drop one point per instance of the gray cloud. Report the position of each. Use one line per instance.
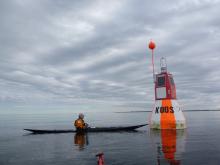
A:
(94, 53)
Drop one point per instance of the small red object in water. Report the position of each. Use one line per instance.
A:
(100, 158)
(152, 45)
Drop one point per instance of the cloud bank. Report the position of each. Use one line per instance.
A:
(93, 54)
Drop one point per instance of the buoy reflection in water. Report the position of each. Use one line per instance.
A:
(170, 145)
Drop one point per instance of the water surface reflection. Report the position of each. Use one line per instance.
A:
(170, 145)
(81, 139)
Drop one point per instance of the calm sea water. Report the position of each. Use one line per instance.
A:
(198, 144)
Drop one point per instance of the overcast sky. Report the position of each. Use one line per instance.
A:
(94, 54)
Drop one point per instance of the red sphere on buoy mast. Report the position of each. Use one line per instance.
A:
(152, 45)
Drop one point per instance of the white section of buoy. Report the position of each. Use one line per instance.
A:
(167, 114)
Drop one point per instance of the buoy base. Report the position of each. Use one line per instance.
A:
(167, 114)
(156, 125)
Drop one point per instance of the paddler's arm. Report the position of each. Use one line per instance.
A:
(85, 125)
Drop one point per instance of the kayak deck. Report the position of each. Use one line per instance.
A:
(95, 129)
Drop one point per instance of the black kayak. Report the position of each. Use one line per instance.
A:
(95, 129)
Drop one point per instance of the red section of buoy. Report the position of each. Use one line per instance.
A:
(152, 45)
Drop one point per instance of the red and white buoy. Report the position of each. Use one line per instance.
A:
(167, 113)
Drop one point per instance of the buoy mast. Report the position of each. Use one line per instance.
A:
(152, 46)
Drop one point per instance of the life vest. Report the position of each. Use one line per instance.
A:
(79, 124)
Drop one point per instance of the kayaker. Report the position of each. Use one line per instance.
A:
(79, 123)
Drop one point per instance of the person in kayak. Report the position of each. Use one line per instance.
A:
(79, 123)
